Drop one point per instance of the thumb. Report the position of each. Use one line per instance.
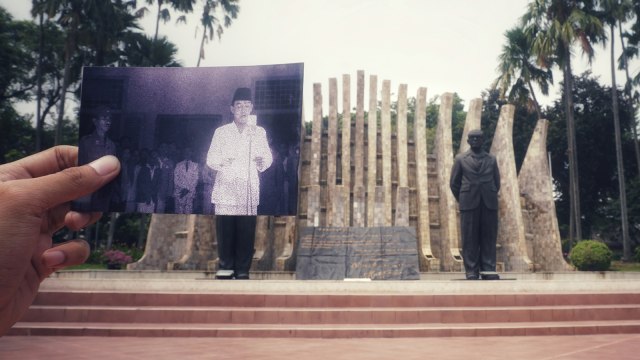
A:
(72, 183)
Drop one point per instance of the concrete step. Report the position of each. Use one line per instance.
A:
(329, 309)
(347, 315)
(324, 331)
(108, 298)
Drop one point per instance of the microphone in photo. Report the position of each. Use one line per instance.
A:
(252, 122)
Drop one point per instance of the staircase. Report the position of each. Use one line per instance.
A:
(316, 315)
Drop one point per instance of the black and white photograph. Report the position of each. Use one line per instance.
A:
(216, 140)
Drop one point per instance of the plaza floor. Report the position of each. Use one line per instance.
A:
(584, 347)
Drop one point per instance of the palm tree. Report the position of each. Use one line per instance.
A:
(211, 24)
(623, 63)
(69, 13)
(517, 63)
(39, 118)
(185, 6)
(105, 25)
(614, 12)
(554, 26)
(140, 50)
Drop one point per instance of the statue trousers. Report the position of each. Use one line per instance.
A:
(236, 239)
(479, 228)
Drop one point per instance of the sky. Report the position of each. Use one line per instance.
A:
(445, 46)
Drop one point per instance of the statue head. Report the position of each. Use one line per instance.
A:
(475, 139)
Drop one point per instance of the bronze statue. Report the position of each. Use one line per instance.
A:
(475, 181)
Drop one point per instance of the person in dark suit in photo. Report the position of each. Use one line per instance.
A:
(94, 146)
(475, 182)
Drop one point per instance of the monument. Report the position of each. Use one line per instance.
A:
(368, 176)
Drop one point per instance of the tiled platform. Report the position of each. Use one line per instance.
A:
(584, 347)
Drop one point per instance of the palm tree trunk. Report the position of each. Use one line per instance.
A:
(155, 37)
(627, 90)
(39, 118)
(626, 245)
(535, 100)
(574, 186)
(112, 228)
(65, 85)
(204, 36)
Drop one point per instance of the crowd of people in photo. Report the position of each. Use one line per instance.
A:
(173, 179)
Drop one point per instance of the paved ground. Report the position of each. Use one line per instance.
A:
(585, 347)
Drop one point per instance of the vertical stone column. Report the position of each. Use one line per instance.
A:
(512, 248)
(286, 257)
(166, 242)
(346, 147)
(286, 260)
(541, 223)
(472, 122)
(372, 149)
(264, 243)
(332, 149)
(427, 260)
(449, 248)
(402, 191)
(199, 244)
(313, 195)
(359, 212)
(385, 123)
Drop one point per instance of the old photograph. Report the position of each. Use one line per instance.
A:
(222, 140)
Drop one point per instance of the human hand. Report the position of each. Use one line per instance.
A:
(259, 161)
(35, 193)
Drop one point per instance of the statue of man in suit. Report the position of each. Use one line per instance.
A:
(475, 181)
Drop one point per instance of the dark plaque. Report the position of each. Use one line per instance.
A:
(378, 253)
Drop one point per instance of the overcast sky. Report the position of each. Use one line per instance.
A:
(446, 46)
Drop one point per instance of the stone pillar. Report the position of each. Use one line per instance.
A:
(385, 124)
(286, 260)
(346, 146)
(536, 188)
(264, 243)
(359, 211)
(512, 249)
(199, 244)
(332, 148)
(449, 247)
(313, 194)
(166, 241)
(372, 150)
(472, 122)
(427, 260)
(402, 191)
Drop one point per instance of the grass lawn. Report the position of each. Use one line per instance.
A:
(88, 267)
(624, 266)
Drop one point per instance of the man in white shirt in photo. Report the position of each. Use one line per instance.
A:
(238, 152)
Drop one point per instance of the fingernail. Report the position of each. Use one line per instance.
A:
(105, 165)
(53, 258)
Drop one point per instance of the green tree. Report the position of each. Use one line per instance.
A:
(211, 23)
(554, 26)
(141, 50)
(629, 52)
(615, 12)
(16, 63)
(593, 124)
(518, 71)
(164, 14)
